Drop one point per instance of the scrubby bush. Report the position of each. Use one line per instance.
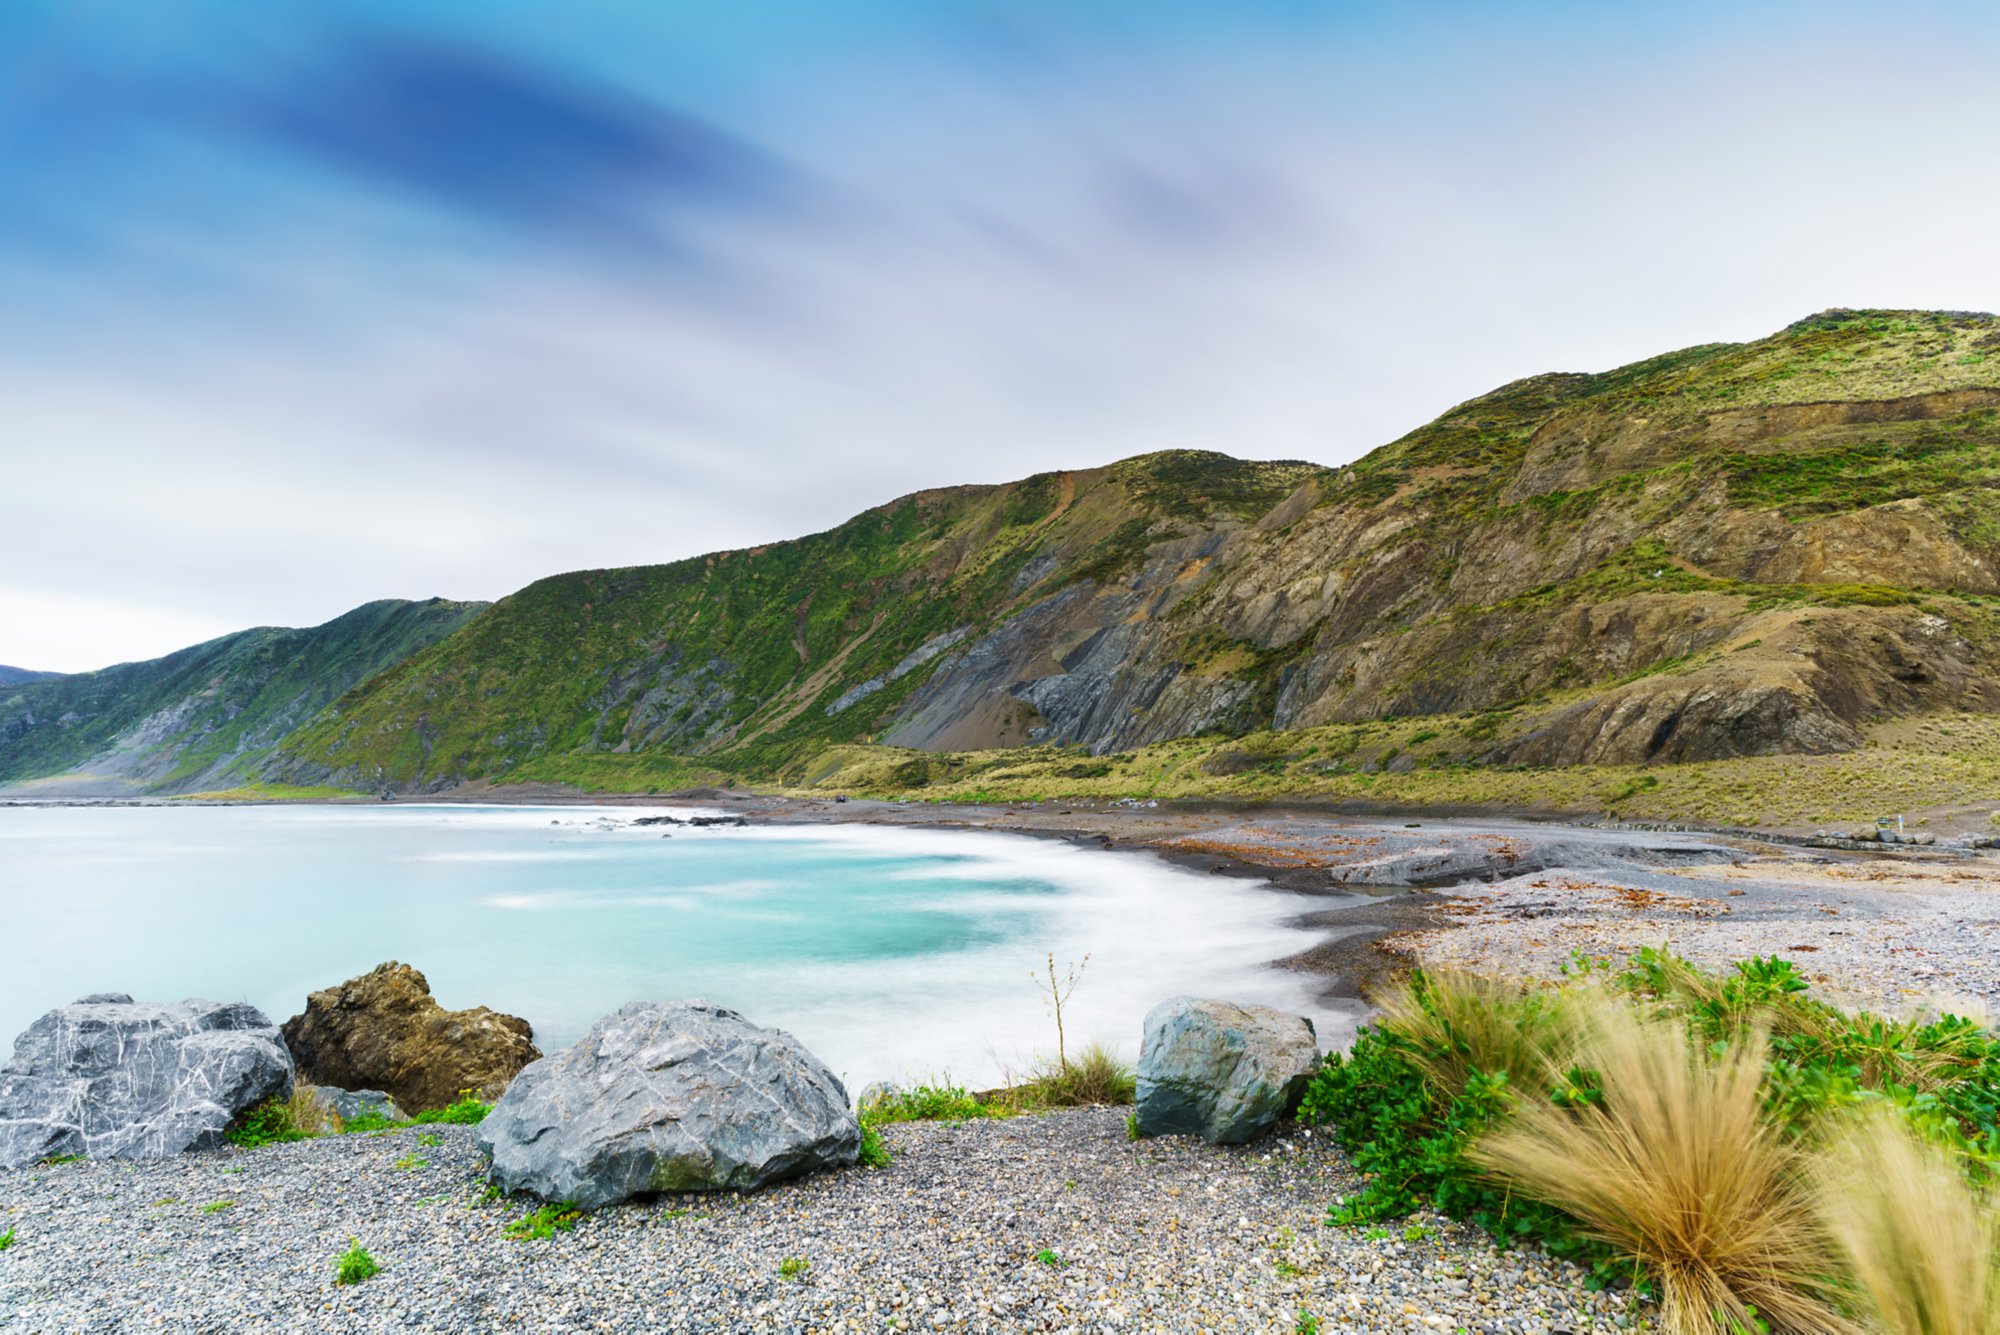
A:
(1695, 1133)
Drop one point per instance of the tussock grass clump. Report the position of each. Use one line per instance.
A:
(1094, 1077)
(1754, 1158)
(1671, 1160)
(1457, 1024)
(1922, 1243)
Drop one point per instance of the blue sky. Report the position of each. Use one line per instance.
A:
(309, 304)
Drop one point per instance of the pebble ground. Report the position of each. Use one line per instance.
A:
(1046, 1223)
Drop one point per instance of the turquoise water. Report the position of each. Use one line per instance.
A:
(892, 952)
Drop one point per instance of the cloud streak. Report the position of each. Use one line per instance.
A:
(311, 309)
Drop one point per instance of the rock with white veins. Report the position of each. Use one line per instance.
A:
(1221, 1071)
(111, 1078)
(668, 1096)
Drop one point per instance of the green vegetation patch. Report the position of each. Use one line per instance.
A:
(543, 1223)
(1507, 1106)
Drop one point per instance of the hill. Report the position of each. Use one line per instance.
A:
(13, 676)
(205, 716)
(1735, 550)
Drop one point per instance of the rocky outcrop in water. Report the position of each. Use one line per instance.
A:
(111, 1078)
(669, 1096)
(1220, 1071)
(384, 1031)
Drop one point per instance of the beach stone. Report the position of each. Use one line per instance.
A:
(111, 1078)
(1221, 1071)
(384, 1031)
(669, 1096)
(349, 1104)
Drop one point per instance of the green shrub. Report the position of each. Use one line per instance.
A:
(874, 1154)
(792, 1267)
(355, 1264)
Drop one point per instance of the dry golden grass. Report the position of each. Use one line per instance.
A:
(311, 1113)
(1459, 1023)
(1679, 1167)
(1922, 1246)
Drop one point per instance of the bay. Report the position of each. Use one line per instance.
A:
(894, 953)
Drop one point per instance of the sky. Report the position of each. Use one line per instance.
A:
(308, 304)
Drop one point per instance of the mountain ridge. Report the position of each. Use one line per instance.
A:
(1732, 550)
(203, 716)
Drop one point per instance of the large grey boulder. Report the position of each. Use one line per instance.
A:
(112, 1078)
(1220, 1071)
(668, 1096)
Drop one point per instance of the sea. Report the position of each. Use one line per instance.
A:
(894, 953)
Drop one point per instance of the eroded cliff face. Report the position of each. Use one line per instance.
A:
(1736, 549)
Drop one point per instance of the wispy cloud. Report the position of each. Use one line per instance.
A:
(309, 305)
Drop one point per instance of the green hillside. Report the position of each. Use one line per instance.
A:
(206, 715)
(1736, 550)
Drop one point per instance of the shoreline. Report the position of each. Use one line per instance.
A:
(1539, 890)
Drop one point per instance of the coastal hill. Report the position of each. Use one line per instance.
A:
(13, 676)
(205, 716)
(1735, 550)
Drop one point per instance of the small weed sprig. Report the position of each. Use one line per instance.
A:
(355, 1264)
(544, 1223)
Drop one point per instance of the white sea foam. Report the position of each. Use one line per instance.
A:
(892, 952)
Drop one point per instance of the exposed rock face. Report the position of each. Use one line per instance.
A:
(384, 1031)
(669, 1096)
(1220, 1071)
(350, 1104)
(112, 1078)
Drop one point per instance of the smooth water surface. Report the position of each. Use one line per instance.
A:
(892, 952)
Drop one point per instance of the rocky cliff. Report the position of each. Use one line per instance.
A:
(1736, 549)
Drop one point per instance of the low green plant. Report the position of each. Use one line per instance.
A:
(217, 1207)
(1132, 1131)
(6, 1239)
(430, 1141)
(410, 1163)
(56, 1160)
(793, 1266)
(1048, 1258)
(545, 1222)
(930, 1103)
(874, 1154)
(468, 1111)
(1307, 1324)
(267, 1123)
(355, 1264)
(1416, 1233)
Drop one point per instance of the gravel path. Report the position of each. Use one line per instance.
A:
(1168, 1235)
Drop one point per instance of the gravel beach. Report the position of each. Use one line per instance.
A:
(1166, 1235)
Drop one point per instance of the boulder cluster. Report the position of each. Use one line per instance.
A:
(657, 1097)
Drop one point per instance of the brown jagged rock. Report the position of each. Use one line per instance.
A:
(385, 1031)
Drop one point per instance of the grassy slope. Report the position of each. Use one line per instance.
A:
(563, 669)
(212, 702)
(1505, 518)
